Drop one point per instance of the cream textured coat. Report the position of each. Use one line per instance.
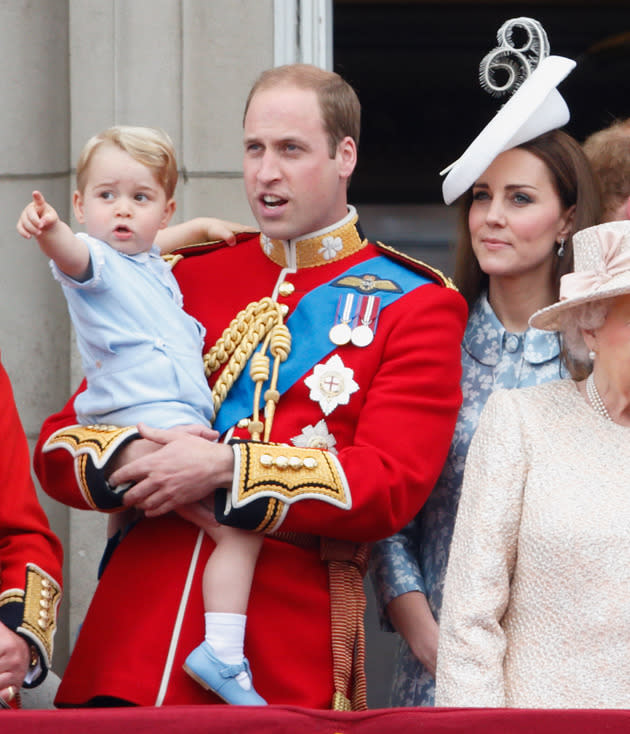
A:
(537, 599)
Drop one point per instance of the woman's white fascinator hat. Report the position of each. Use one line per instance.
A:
(535, 107)
(601, 256)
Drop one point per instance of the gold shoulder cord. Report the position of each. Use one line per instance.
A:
(260, 321)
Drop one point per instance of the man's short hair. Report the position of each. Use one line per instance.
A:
(338, 102)
(150, 146)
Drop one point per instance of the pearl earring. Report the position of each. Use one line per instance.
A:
(561, 247)
(591, 355)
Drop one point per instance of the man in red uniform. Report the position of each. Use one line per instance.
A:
(30, 562)
(335, 429)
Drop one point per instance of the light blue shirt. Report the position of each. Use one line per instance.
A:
(415, 559)
(141, 352)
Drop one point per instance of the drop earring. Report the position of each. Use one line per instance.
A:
(591, 355)
(561, 247)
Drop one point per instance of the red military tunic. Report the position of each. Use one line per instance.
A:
(386, 425)
(30, 553)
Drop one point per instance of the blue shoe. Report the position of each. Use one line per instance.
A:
(213, 674)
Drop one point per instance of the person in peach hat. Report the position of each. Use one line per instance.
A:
(536, 610)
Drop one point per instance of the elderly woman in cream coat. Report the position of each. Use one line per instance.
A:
(537, 597)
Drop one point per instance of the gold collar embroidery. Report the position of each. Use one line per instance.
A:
(319, 248)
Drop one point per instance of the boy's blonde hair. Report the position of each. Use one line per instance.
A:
(149, 146)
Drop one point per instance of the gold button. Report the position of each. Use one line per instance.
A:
(243, 423)
(295, 462)
(286, 288)
(310, 462)
(284, 309)
(266, 460)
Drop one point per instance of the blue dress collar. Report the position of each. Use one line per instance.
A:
(486, 339)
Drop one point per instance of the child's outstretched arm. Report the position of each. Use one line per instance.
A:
(201, 229)
(55, 238)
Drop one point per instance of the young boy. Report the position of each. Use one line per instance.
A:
(141, 353)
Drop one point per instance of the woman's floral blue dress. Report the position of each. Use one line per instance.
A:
(415, 559)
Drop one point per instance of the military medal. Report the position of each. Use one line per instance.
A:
(341, 332)
(363, 332)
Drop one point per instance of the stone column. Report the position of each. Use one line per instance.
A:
(34, 143)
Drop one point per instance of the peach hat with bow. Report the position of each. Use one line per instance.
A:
(601, 270)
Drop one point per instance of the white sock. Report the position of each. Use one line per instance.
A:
(225, 633)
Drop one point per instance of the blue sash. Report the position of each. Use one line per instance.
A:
(309, 325)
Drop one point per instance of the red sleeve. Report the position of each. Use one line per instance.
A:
(56, 469)
(30, 553)
(71, 459)
(25, 535)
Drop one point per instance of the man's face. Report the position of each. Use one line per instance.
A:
(293, 185)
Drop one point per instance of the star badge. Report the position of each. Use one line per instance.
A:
(316, 437)
(331, 384)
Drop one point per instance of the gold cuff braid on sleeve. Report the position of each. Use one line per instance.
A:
(288, 474)
(42, 595)
(98, 441)
(92, 447)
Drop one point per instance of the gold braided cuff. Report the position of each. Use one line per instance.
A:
(41, 597)
(92, 447)
(286, 474)
(100, 442)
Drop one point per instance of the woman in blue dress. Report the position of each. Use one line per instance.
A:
(517, 219)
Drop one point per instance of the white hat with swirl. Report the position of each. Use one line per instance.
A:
(536, 107)
(601, 256)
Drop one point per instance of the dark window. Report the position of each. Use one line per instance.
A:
(415, 67)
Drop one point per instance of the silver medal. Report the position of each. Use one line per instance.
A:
(362, 335)
(340, 334)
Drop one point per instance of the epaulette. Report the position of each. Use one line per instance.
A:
(421, 267)
(203, 248)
